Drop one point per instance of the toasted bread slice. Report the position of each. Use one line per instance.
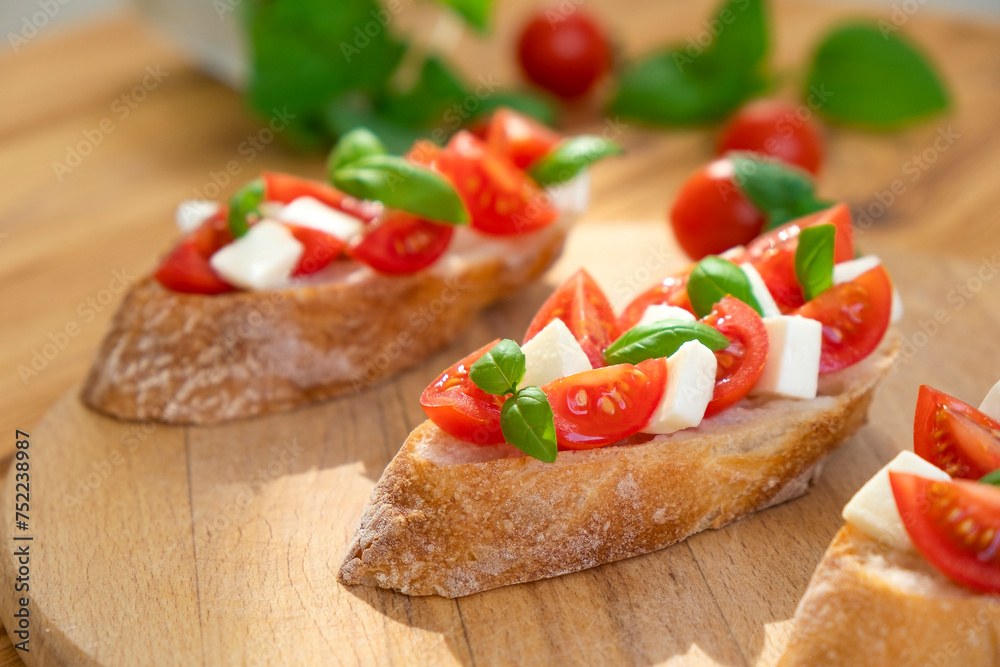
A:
(450, 518)
(872, 605)
(190, 358)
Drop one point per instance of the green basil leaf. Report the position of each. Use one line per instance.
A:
(245, 203)
(661, 339)
(991, 478)
(570, 157)
(864, 75)
(438, 89)
(500, 370)
(781, 192)
(527, 422)
(475, 12)
(528, 103)
(714, 278)
(814, 260)
(402, 185)
(353, 146)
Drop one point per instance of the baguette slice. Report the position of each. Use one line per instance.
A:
(451, 519)
(871, 605)
(189, 358)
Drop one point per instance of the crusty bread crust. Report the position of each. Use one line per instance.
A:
(440, 523)
(872, 605)
(188, 358)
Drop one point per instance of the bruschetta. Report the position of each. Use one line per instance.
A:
(300, 290)
(606, 436)
(913, 576)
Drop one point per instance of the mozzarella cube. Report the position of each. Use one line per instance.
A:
(553, 353)
(873, 508)
(845, 272)
(792, 367)
(314, 214)
(193, 213)
(897, 306)
(760, 292)
(690, 385)
(573, 196)
(662, 311)
(261, 259)
(991, 404)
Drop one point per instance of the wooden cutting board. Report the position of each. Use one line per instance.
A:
(221, 545)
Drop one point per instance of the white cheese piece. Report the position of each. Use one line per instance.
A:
(553, 353)
(662, 311)
(193, 213)
(873, 508)
(734, 253)
(690, 384)
(845, 272)
(991, 404)
(792, 367)
(314, 214)
(760, 292)
(573, 196)
(261, 259)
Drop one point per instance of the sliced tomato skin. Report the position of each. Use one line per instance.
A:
(187, 269)
(519, 138)
(400, 243)
(741, 364)
(501, 199)
(955, 436)
(954, 525)
(319, 249)
(601, 406)
(855, 317)
(585, 310)
(286, 188)
(671, 291)
(458, 407)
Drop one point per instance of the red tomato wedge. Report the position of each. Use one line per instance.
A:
(285, 188)
(955, 436)
(519, 138)
(671, 291)
(855, 317)
(501, 198)
(320, 249)
(773, 253)
(401, 243)
(595, 408)
(186, 269)
(585, 311)
(955, 525)
(740, 364)
(458, 407)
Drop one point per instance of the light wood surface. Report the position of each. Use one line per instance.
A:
(62, 240)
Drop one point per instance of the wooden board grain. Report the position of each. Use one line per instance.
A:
(220, 545)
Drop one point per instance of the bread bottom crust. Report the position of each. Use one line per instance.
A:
(436, 524)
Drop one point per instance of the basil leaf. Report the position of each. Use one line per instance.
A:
(661, 339)
(692, 83)
(814, 260)
(991, 478)
(714, 278)
(402, 185)
(475, 12)
(527, 422)
(527, 103)
(781, 192)
(353, 146)
(499, 371)
(244, 203)
(864, 75)
(571, 157)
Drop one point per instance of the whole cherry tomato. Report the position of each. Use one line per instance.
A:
(563, 52)
(775, 128)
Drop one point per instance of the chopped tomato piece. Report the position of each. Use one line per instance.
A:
(187, 269)
(955, 525)
(585, 310)
(458, 407)
(319, 249)
(671, 291)
(597, 407)
(740, 364)
(519, 138)
(401, 243)
(423, 151)
(955, 436)
(285, 188)
(855, 317)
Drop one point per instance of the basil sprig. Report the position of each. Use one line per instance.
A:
(781, 192)
(814, 259)
(570, 157)
(402, 185)
(714, 278)
(991, 478)
(526, 418)
(245, 203)
(353, 146)
(661, 339)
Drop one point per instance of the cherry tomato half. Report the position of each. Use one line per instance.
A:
(775, 128)
(671, 291)
(955, 436)
(519, 138)
(740, 364)
(564, 53)
(458, 407)
(319, 249)
(186, 269)
(401, 243)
